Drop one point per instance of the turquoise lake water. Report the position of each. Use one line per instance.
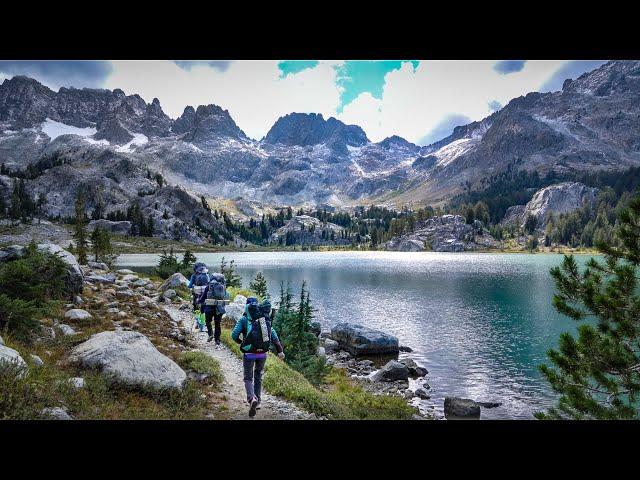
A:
(480, 323)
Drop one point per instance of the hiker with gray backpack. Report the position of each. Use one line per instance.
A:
(212, 301)
(257, 338)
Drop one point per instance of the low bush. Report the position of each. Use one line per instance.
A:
(200, 362)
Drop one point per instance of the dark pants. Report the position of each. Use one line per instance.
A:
(208, 316)
(195, 302)
(253, 370)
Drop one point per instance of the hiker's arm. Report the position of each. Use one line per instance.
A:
(191, 280)
(276, 341)
(237, 329)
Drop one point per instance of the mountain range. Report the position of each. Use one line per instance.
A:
(113, 144)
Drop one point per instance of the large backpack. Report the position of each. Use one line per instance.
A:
(217, 291)
(201, 280)
(258, 337)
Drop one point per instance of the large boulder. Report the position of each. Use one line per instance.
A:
(55, 413)
(77, 314)
(11, 356)
(391, 372)
(235, 309)
(174, 281)
(361, 340)
(461, 408)
(129, 357)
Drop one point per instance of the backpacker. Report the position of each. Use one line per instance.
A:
(216, 294)
(202, 278)
(258, 337)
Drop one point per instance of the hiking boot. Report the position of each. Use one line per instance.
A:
(210, 338)
(254, 406)
(217, 341)
(259, 406)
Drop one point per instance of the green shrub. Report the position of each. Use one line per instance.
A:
(19, 317)
(35, 276)
(200, 362)
(30, 286)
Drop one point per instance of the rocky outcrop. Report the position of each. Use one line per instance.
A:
(122, 227)
(129, 357)
(448, 233)
(361, 340)
(555, 199)
(307, 230)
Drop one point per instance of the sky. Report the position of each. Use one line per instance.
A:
(420, 100)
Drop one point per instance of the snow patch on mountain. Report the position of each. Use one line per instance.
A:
(139, 139)
(53, 129)
(556, 124)
(453, 150)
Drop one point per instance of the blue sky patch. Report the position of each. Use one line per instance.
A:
(291, 67)
(61, 73)
(359, 76)
(220, 65)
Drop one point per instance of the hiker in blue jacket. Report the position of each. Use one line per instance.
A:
(199, 279)
(257, 337)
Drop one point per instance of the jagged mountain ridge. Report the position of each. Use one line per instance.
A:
(305, 159)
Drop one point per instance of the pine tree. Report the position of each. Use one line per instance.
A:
(597, 374)
(188, 260)
(80, 228)
(259, 286)
(101, 246)
(229, 272)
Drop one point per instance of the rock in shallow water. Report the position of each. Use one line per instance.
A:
(361, 340)
(391, 372)
(461, 408)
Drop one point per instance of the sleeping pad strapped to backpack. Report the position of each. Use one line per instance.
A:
(217, 292)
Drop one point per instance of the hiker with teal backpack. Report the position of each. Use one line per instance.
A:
(212, 301)
(257, 337)
(197, 283)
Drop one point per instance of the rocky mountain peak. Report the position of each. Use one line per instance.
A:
(306, 129)
(205, 123)
(397, 142)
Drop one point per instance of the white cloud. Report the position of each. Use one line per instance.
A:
(412, 105)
